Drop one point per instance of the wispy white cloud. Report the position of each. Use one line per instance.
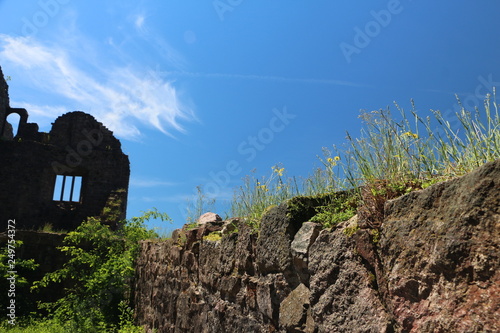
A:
(120, 97)
(44, 114)
(144, 37)
(162, 47)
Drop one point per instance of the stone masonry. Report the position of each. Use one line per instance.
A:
(432, 267)
(77, 150)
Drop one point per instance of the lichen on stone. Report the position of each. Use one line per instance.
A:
(213, 236)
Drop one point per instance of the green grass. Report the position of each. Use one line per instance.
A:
(49, 228)
(55, 326)
(392, 156)
(417, 149)
(199, 206)
(41, 326)
(255, 196)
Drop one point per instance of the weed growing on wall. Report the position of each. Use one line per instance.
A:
(339, 208)
(257, 194)
(391, 157)
(199, 206)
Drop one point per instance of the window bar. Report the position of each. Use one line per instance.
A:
(63, 185)
(72, 187)
(80, 192)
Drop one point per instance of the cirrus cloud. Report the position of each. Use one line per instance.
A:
(122, 97)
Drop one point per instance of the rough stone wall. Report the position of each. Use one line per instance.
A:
(433, 266)
(77, 145)
(440, 255)
(4, 100)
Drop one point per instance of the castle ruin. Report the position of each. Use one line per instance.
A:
(61, 177)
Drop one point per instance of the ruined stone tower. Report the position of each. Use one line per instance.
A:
(61, 177)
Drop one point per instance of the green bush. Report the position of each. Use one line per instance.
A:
(18, 273)
(98, 276)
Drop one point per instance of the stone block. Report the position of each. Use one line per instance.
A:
(294, 310)
(209, 217)
(301, 243)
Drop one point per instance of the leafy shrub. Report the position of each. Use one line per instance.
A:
(21, 269)
(98, 276)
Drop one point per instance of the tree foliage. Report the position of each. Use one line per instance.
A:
(98, 276)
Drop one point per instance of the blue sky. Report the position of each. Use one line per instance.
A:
(204, 92)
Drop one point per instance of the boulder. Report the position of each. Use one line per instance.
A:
(209, 218)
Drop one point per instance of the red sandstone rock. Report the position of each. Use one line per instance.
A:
(435, 268)
(209, 218)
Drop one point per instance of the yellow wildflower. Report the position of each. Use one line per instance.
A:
(413, 135)
(279, 171)
(331, 161)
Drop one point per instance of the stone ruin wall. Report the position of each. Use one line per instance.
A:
(77, 145)
(4, 99)
(433, 266)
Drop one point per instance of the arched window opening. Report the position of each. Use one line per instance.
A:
(67, 188)
(14, 119)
